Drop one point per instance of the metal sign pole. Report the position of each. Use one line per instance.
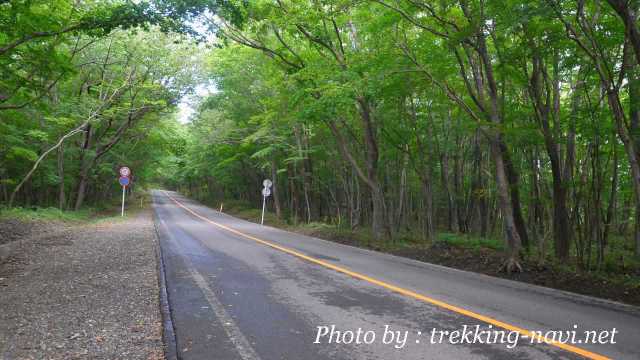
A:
(264, 201)
(124, 181)
(266, 191)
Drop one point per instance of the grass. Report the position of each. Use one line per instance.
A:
(50, 213)
(361, 236)
(109, 211)
(470, 241)
(244, 210)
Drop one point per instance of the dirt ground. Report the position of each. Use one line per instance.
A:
(14, 229)
(81, 291)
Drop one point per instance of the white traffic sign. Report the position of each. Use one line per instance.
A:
(266, 191)
(125, 171)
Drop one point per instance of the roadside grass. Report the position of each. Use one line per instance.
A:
(139, 200)
(109, 211)
(50, 213)
(361, 236)
(620, 255)
(244, 210)
(470, 241)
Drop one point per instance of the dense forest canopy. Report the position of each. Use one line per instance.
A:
(511, 119)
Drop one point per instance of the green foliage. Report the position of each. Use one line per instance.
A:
(470, 241)
(36, 214)
(120, 93)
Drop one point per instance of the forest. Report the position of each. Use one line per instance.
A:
(403, 119)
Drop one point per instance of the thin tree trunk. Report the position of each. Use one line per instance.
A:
(429, 226)
(452, 218)
(612, 197)
(276, 190)
(293, 203)
(303, 172)
(425, 173)
(41, 157)
(402, 191)
(82, 186)
(537, 213)
(61, 195)
(379, 220)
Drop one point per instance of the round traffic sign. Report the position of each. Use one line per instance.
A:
(124, 181)
(125, 171)
(267, 183)
(266, 192)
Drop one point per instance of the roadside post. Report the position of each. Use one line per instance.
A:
(266, 191)
(124, 181)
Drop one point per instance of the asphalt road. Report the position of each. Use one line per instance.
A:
(238, 290)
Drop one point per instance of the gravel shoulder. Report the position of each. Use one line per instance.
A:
(87, 291)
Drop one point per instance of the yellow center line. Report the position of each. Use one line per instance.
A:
(403, 291)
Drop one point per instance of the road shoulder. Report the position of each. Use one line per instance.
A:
(86, 291)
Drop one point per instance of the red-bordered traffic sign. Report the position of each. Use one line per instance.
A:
(125, 171)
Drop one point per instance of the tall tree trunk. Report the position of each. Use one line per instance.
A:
(628, 12)
(452, 217)
(276, 190)
(608, 83)
(546, 104)
(356, 199)
(632, 155)
(3, 186)
(402, 191)
(85, 165)
(425, 172)
(633, 71)
(506, 176)
(595, 210)
(61, 195)
(483, 194)
(304, 171)
(537, 211)
(429, 226)
(83, 179)
(293, 201)
(477, 205)
(611, 208)
(512, 237)
(458, 191)
(379, 219)
(513, 179)
(380, 225)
